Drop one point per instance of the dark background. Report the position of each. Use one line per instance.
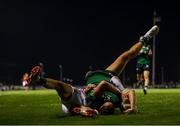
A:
(79, 34)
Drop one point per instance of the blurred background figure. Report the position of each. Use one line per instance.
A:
(143, 67)
(25, 82)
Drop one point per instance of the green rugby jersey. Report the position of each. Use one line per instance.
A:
(143, 58)
(95, 78)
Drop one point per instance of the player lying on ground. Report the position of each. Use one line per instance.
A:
(105, 97)
(73, 98)
(115, 69)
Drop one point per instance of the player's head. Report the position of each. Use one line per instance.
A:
(107, 108)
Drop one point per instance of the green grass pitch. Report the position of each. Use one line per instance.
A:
(40, 107)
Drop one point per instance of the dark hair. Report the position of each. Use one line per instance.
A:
(107, 111)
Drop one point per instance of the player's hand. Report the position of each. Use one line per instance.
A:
(88, 87)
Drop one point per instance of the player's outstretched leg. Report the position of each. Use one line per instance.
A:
(64, 90)
(118, 65)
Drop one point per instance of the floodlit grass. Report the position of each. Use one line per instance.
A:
(160, 106)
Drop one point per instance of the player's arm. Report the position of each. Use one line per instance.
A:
(88, 87)
(106, 86)
(129, 98)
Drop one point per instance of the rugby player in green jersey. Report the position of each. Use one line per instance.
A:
(115, 69)
(143, 66)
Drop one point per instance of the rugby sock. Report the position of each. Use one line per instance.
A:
(117, 83)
